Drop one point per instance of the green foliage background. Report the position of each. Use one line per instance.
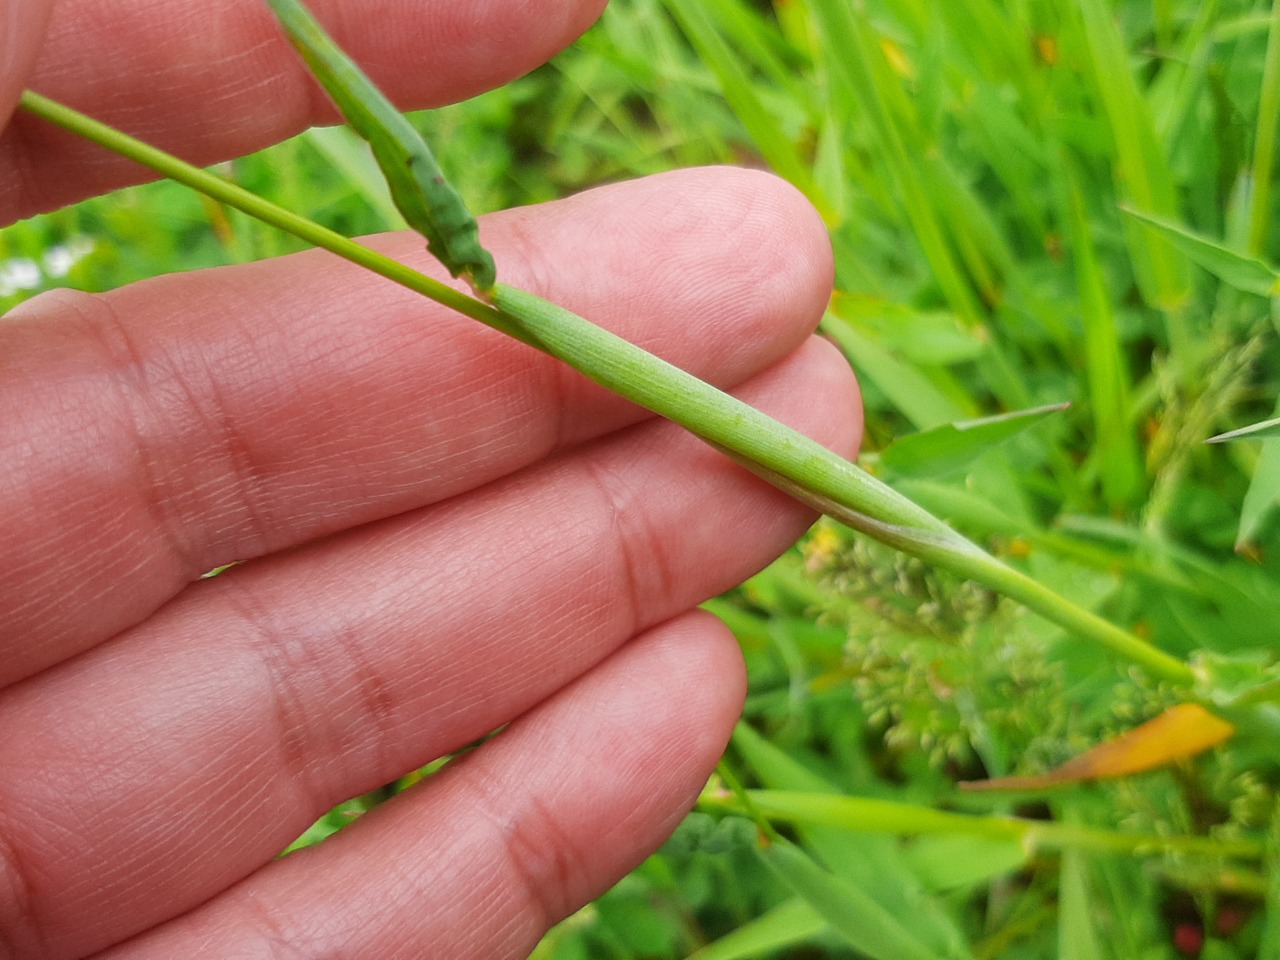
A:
(974, 161)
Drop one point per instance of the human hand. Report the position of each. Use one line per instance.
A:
(443, 530)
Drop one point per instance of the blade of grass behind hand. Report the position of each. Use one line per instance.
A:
(870, 862)
(737, 88)
(914, 391)
(1077, 934)
(1264, 145)
(953, 446)
(864, 81)
(789, 923)
(1239, 271)
(1264, 490)
(1119, 459)
(846, 907)
(1265, 430)
(1141, 169)
(348, 154)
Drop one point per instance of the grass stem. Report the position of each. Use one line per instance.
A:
(789, 460)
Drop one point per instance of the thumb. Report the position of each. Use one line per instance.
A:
(22, 26)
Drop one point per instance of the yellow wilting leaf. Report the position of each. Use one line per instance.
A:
(1177, 734)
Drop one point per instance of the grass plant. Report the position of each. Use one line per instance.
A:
(1030, 204)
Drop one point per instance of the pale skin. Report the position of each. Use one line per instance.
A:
(443, 531)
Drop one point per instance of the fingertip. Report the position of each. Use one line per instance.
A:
(22, 29)
(738, 258)
(776, 251)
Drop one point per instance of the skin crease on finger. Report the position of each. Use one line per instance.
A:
(289, 399)
(214, 79)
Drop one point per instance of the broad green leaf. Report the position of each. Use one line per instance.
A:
(951, 447)
(846, 907)
(787, 924)
(1240, 271)
(1264, 430)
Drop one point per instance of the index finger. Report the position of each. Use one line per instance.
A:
(216, 79)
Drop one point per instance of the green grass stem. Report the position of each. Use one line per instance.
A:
(865, 814)
(789, 460)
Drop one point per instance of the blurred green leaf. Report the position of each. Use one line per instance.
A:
(952, 447)
(1237, 270)
(932, 337)
(1120, 462)
(848, 910)
(954, 862)
(1264, 430)
(1263, 494)
(1077, 919)
(789, 923)
(868, 861)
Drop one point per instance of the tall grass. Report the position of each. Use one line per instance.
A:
(974, 162)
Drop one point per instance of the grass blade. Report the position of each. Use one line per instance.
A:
(872, 815)
(1256, 431)
(349, 155)
(1264, 146)
(737, 88)
(1241, 272)
(848, 910)
(1270, 940)
(870, 862)
(1077, 935)
(864, 84)
(1142, 172)
(953, 446)
(787, 924)
(1117, 445)
(1264, 487)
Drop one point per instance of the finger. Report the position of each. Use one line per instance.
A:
(187, 752)
(199, 419)
(482, 860)
(22, 26)
(215, 79)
